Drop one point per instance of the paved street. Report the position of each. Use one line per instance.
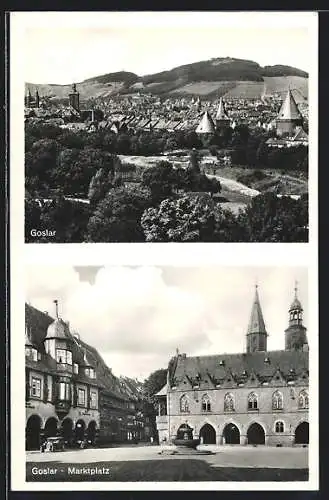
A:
(228, 456)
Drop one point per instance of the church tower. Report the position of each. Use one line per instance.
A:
(222, 120)
(37, 99)
(74, 98)
(256, 334)
(28, 99)
(295, 334)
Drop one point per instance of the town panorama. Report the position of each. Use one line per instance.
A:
(218, 157)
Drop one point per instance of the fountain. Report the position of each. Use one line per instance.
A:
(184, 440)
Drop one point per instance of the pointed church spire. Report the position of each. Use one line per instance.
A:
(256, 333)
(289, 109)
(256, 323)
(221, 113)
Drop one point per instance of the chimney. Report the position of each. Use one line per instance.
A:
(56, 308)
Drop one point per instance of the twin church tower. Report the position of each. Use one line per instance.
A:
(295, 334)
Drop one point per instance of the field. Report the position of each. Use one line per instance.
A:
(247, 89)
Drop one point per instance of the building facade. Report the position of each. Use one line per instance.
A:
(255, 397)
(70, 391)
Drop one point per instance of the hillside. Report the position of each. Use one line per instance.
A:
(219, 76)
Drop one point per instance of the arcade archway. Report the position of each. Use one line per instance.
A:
(80, 428)
(302, 433)
(91, 432)
(67, 431)
(207, 434)
(256, 434)
(50, 427)
(33, 428)
(231, 434)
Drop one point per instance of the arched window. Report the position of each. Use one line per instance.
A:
(206, 406)
(277, 401)
(184, 406)
(303, 400)
(228, 402)
(252, 401)
(279, 426)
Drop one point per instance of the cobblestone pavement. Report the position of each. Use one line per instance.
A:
(228, 456)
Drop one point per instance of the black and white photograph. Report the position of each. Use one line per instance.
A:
(151, 366)
(166, 126)
(161, 373)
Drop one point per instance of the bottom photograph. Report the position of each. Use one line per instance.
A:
(151, 373)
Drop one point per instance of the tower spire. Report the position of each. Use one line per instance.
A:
(295, 334)
(256, 333)
(56, 308)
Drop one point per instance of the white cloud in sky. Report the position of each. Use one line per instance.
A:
(136, 317)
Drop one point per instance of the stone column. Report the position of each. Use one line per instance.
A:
(243, 439)
(219, 439)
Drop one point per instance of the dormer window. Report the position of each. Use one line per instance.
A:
(222, 362)
(32, 353)
(90, 372)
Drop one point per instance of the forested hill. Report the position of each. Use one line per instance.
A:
(220, 76)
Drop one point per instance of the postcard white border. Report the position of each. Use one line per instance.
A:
(143, 254)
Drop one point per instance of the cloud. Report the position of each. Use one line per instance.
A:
(125, 311)
(137, 317)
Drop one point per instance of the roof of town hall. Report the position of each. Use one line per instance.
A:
(237, 368)
(37, 325)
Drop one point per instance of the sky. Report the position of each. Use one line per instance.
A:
(136, 317)
(65, 47)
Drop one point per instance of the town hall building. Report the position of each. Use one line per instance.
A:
(255, 397)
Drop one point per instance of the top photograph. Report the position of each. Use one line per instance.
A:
(167, 126)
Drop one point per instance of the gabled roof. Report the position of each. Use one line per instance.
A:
(300, 135)
(263, 364)
(37, 323)
(256, 322)
(206, 125)
(163, 391)
(289, 109)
